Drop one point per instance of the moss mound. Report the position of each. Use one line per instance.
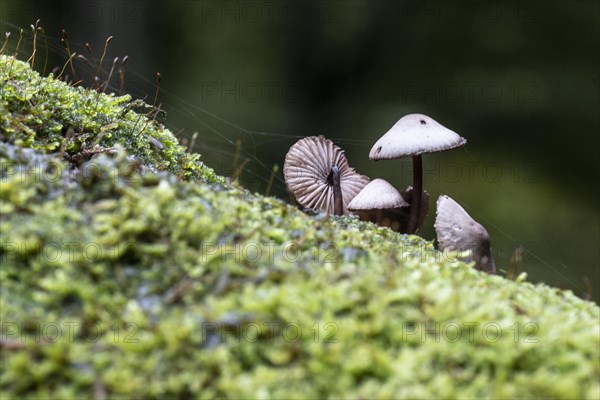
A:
(130, 269)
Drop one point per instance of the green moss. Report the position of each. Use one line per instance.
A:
(47, 114)
(171, 287)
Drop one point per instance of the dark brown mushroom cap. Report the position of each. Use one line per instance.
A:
(415, 134)
(379, 194)
(457, 231)
(307, 168)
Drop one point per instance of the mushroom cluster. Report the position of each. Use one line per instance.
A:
(317, 172)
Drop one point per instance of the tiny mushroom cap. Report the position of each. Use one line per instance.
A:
(457, 231)
(377, 195)
(310, 174)
(415, 134)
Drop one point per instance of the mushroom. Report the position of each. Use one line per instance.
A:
(379, 202)
(457, 231)
(317, 172)
(404, 215)
(413, 135)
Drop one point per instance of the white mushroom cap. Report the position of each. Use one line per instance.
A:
(415, 134)
(377, 195)
(306, 171)
(457, 231)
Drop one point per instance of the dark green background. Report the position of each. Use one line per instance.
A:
(519, 80)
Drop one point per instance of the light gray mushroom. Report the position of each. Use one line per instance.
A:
(457, 231)
(317, 172)
(380, 203)
(411, 136)
(378, 194)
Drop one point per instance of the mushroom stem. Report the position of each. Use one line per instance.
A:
(338, 203)
(415, 206)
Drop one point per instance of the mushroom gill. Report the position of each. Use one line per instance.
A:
(317, 172)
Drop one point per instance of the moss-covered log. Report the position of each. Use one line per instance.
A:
(130, 269)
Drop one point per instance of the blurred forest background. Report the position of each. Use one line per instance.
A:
(518, 80)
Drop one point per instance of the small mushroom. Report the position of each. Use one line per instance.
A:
(317, 172)
(413, 135)
(404, 214)
(457, 231)
(379, 202)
